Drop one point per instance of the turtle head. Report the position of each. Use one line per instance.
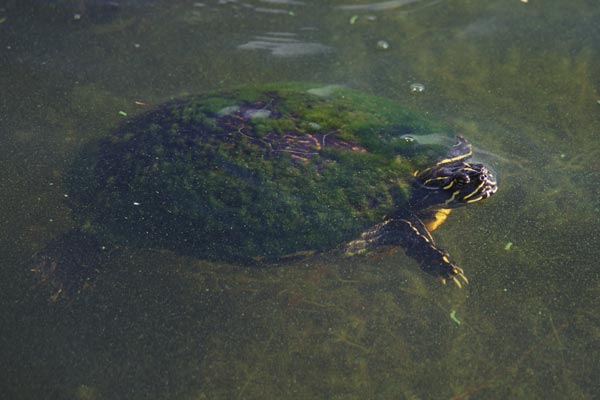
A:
(453, 182)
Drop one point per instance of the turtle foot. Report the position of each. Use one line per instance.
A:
(454, 274)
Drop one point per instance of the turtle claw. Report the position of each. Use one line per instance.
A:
(457, 282)
(458, 273)
(462, 277)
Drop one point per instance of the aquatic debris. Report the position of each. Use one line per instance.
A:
(453, 317)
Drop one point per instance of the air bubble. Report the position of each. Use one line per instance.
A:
(417, 87)
(383, 45)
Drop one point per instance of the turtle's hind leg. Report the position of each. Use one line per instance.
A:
(68, 264)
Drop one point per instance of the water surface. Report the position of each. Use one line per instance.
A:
(519, 79)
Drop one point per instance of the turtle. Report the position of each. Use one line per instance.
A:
(257, 174)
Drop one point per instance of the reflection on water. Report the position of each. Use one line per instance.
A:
(377, 6)
(518, 79)
(284, 44)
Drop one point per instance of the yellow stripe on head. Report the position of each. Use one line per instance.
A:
(474, 200)
(460, 157)
(474, 192)
(451, 199)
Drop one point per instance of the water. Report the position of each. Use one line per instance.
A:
(520, 80)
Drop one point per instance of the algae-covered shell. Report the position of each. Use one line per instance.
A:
(251, 173)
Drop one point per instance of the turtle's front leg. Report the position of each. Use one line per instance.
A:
(410, 233)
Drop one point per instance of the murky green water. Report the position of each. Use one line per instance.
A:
(519, 79)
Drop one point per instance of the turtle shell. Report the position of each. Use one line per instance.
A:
(251, 173)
